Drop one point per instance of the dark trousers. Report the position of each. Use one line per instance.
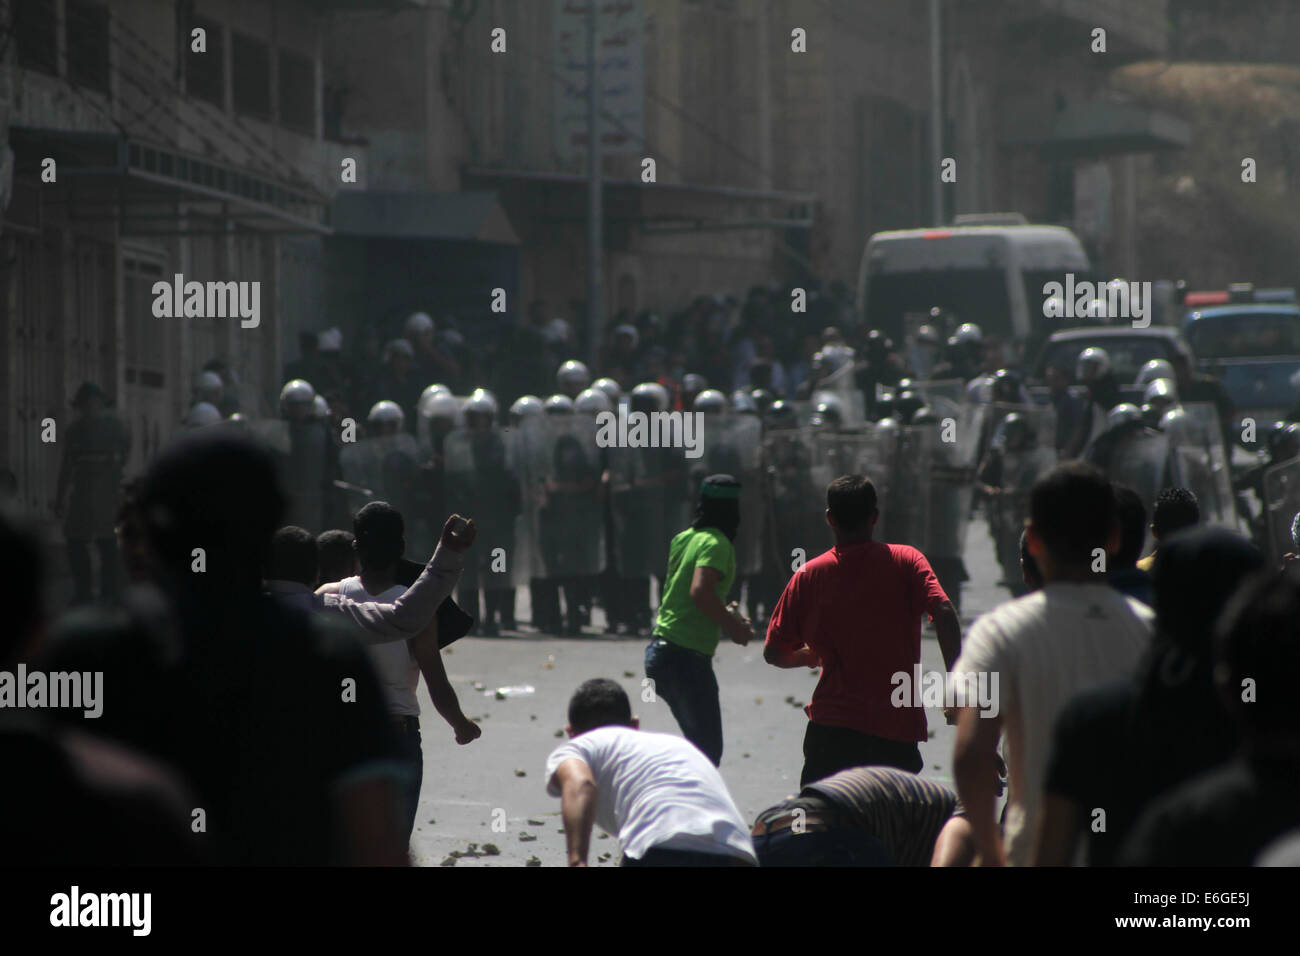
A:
(685, 680)
(828, 750)
(79, 565)
(411, 753)
(840, 846)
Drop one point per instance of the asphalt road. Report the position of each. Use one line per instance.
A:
(491, 794)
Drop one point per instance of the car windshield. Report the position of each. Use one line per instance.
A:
(972, 295)
(1128, 353)
(1245, 335)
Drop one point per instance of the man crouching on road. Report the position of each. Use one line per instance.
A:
(662, 798)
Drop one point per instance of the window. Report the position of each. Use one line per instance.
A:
(205, 73)
(250, 73)
(36, 36)
(297, 92)
(146, 337)
(88, 44)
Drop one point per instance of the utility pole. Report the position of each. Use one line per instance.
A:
(595, 321)
(936, 116)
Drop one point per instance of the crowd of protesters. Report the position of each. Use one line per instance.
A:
(263, 684)
(265, 675)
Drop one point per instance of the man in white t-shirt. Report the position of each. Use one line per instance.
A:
(379, 542)
(662, 798)
(1043, 648)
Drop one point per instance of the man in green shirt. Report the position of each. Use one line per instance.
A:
(701, 569)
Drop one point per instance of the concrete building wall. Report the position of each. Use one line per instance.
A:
(76, 295)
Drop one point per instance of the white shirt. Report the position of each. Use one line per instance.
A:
(396, 666)
(656, 790)
(1046, 647)
(410, 613)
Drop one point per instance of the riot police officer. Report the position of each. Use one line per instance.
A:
(95, 448)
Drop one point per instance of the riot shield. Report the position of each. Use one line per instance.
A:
(307, 470)
(642, 487)
(951, 486)
(271, 433)
(569, 521)
(481, 481)
(908, 519)
(1141, 461)
(386, 467)
(1202, 465)
(970, 421)
(1009, 507)
(794, 522)
(1281, 504)
(526, 444)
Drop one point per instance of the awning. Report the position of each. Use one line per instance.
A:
(110, 176)
(466, 216)
(558, 198)
(1096, 129)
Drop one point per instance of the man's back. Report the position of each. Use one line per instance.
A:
(1045, 648)
(395, 665)
(859, 606)
(252, 705)
(657, 790)
(1225, 817)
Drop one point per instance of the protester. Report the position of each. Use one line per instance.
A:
(1122, 571)
(701, 569)
(272, 717)
(1042, 648)
(658, 794)
(1229, 815)
(95, 447)
(863, 816)
(855, 611)
(380, 540)
(292, 568)
(1174, 510)
(1120, 745)
(336, 557)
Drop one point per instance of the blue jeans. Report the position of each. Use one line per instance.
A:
(685, 680)
(837, 847)
(411, 753)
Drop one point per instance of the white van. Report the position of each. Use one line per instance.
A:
(989, 274)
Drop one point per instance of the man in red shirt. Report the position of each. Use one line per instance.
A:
(855, 611)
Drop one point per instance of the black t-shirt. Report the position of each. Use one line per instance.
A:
(81, 801)
(1122, 744)
(1225, 817)
(246, 700)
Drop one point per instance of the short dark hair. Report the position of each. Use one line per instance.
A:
(1258, 638)
(381, 535)
(851, 500)
(1175, 509)
(1072, 508)
(217, 491)
(292, 556)
(599, 702)
(335, 556)
(1131, 517)
(22, 583)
